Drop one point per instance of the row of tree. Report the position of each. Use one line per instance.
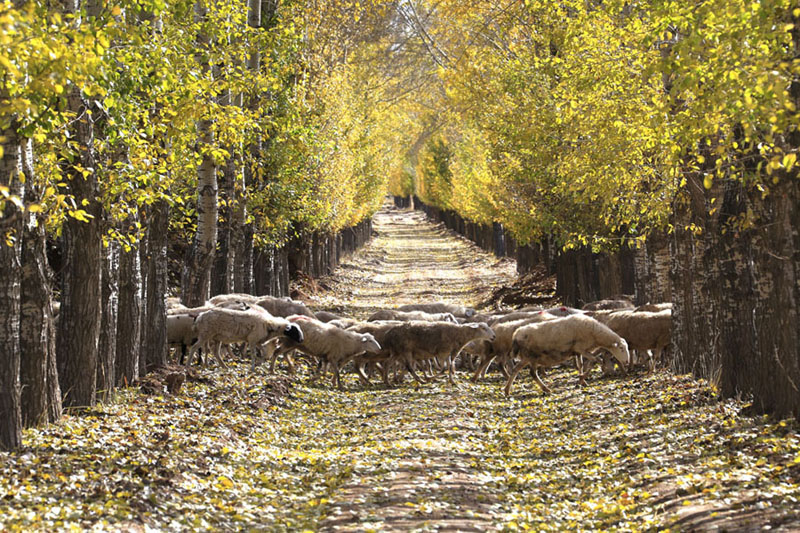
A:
(227, 131)
(621, 125)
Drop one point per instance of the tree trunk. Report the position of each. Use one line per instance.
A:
(129, 323)
(107, 350)
(200, 256)
(155, 348)
(11, 223)
(79, 318)
(41, 395)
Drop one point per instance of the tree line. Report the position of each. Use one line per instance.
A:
(217, 146)
(630, 147)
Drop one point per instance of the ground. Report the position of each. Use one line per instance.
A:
(239, 451)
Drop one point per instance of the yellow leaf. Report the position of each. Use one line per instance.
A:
(225, 482)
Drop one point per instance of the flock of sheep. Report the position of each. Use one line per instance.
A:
(424, 339)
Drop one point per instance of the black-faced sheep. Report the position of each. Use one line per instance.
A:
(219, 326)
(417, 341)
(440, 307)
(552, 342)
(331, 345)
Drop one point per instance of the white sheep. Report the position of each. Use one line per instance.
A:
(173, 302)
(234, 297)
(655, 308)
(608, 304)
(283, 306)
(551, 342)
(180, 332)
(646, 332)
(219, 326)
(418, 341)
(440, 307)
(500, 348)
(406, 316)
(330, 344)
(343, 323)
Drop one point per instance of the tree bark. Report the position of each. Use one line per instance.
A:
(107, 350)
(10, 284)
(129, 316)
(154, 345)
(79, 318)
(41, 395)
(200, 256)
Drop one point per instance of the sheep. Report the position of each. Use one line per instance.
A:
(234, 297)
(283, 306)
(514, 316)
(180, 331)
(377, 329)
(440, 307)
(253, 326)
(501, 346)
(415, 341)
(330, 344)
(608, 304)
(655, 308)
(563, 310)
(406, 316)
(344, 323)
(325, 316)
(551, 342)
(644, 331)
(180, 323)
(173, 302)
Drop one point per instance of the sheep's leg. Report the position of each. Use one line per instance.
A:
(510, 382)
(544, 387)
(215, 350)
(192, 350)
(482, 368)
(655, 358)
(410, 367)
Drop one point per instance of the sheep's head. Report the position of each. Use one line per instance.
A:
(469, 312)
(620, 352)
(294, 332)
(482, 330)
(369, 344)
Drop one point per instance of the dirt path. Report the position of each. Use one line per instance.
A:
(411, 260)
(424, 476)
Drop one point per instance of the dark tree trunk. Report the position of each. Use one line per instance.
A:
(11, 224)
(154, 325)
(107, 351)
(79, 318)
(41, 395)
(129, 323)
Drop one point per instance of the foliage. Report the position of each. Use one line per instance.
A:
(580, 120)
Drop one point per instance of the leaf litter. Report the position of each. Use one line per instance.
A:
(231, 450)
